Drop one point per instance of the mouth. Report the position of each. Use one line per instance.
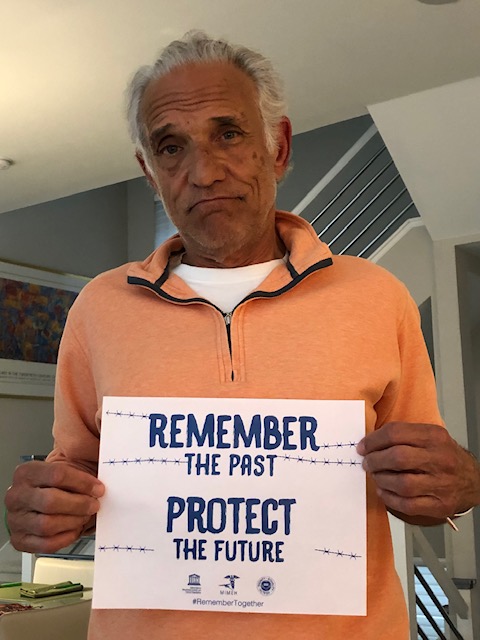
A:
(217, 201)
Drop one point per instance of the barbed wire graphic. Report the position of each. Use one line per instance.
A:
(177, 461)
(324, 461)
(139, 461)
(339, 554)
(129, 548)
(337, 445)
(127, 414)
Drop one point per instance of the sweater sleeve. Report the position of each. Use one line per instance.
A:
(412, 397)
(76, 408)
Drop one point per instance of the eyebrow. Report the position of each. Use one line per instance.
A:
(226, 120)
(159, 134)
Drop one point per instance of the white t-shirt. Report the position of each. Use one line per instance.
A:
(225, 288)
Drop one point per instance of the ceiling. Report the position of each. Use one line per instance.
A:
(64, 65)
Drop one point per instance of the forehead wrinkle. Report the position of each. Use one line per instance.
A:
(185, 99)
(159, 110)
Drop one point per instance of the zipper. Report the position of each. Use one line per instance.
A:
(227, 317)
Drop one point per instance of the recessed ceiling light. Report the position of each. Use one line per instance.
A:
(5, 163)
(437, 1)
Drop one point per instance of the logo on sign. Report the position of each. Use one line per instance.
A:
(230, 585)
(266, 586)
(194, 585)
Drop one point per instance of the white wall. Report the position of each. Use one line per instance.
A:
(410, 259)
(434, 137)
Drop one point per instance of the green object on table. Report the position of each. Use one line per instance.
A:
(6, 585)
(43, 591)
(55, 597)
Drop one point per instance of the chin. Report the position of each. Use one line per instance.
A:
(222, 246)
(221, 234)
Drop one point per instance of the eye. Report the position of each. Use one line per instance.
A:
(230, 135)
(169, 150)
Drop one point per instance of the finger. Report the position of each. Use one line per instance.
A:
(407, 485)
(46, 526)
(58, 474)
(418, 506)
(399, 458)
(418, 486)
(402, 433)
(38, 544)
(53, 501)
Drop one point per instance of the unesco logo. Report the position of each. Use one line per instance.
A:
(194, 585)
(266, 586)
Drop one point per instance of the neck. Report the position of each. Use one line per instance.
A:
(226, 259)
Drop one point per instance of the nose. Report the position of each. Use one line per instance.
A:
(205, 168)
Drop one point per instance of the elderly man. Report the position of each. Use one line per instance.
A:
(244, 302)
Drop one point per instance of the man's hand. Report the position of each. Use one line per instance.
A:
(49, 505)
(420, 470)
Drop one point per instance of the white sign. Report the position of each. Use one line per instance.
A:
(232, 504)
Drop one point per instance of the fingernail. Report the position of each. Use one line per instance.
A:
(98, 490)
(365, 464)
(361, 447)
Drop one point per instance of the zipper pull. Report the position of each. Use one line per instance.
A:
(228, 318)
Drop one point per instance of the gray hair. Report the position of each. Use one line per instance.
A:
(197, 46)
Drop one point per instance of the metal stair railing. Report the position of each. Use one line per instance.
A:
(386, 228)
(351, 182)
(369, 204)
(456, 603)
(369, 227)
(438, 605)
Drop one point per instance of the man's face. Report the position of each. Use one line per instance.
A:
(210, 163)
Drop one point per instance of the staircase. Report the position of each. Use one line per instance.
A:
(362, 202)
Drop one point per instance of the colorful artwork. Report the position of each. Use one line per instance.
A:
(32, 318)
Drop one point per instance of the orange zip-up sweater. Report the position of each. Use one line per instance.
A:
(316, 328)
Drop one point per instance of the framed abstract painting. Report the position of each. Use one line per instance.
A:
(34, 304)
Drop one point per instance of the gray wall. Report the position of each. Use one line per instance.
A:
(83, 234)
(468, 275)
(314, 153)
(141, 219)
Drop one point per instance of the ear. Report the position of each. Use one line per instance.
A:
(146, 170)
(284, 147)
